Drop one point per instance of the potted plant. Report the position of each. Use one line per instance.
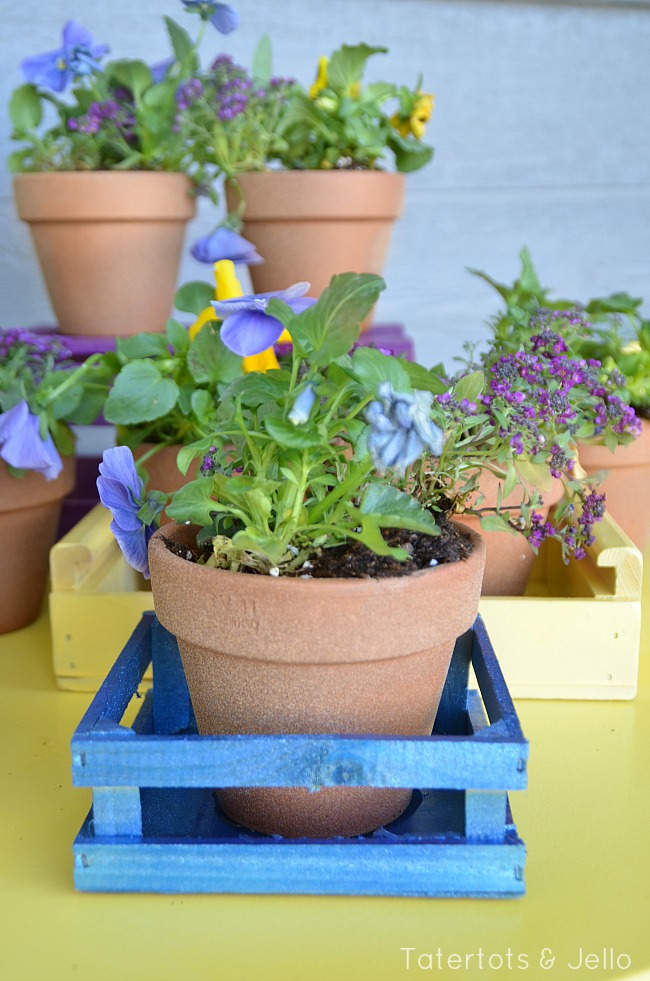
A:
(41, 394)
(612, 331)
(109, 186)
(316, 176)
(313, 578)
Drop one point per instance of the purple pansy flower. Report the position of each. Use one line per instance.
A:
(78, 56)
(247, 328)
(223, 16)
(21, 444)
(224, 243)
(121, 490)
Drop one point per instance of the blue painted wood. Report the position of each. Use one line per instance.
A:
(155, 824)
(172, 707)
(452, 711)
(371, 868)
(116, 811)
(485, 815)
(312, 761)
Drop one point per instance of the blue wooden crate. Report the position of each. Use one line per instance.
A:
(155, 825)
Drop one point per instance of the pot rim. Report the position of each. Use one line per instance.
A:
(267, 618)
(274, 582)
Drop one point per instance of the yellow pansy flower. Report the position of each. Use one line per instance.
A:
(321, 77)
(228, 288)
(421, 114)
(416, 122)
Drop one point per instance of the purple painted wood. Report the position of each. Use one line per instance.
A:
(391, 337)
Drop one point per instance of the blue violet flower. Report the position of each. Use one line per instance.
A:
(401, 428)
(247, 328)
(79, 55)
(224, 243)
(121, 490)
(22, 446)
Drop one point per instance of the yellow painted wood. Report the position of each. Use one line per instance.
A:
(584, 819)
(575, 634)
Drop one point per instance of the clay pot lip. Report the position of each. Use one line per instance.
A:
(285, 582)
(71, 195)
(636, 453)
(34, 489)
(320, 195)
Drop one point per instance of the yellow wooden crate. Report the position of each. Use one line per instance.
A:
(575, 634)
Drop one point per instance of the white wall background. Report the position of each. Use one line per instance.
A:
(542, 136)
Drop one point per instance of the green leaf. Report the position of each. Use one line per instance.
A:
(192, 503)
(330, 328)
(528, 278)
(410, 154)
(290, 436)
(258, 388)
(194, 297)
(423, 379)
(262, 65)
(209, 360)
(371, 367)
(494, 522)
(511, 480)
(371, 536)
(266, 546)
(139, 346)
(347, 64)
(393, 508)
(181, 42)
(616, 303)
(140, 394)
(191, 451)
(25, 110)
(537, 475)
(203, 408)
(177, 336)
(132, 74)
(469, 386)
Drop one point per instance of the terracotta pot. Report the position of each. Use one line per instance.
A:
(313, 656)
(30, 508)
(509, 558)
(627, 483)
(109, 244)
(310, 224)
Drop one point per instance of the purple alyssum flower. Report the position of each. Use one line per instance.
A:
(247, 328)
(401, 428)
(223, 16)
(78, 55)
(22, 446)
(121, 490)
(224, 243)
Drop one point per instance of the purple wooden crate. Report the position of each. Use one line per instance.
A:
(390, 337)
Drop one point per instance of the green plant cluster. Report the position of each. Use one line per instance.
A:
(610, 329)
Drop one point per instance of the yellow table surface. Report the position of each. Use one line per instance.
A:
(584, 819)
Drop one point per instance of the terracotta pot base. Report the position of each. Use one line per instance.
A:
(332, 812)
